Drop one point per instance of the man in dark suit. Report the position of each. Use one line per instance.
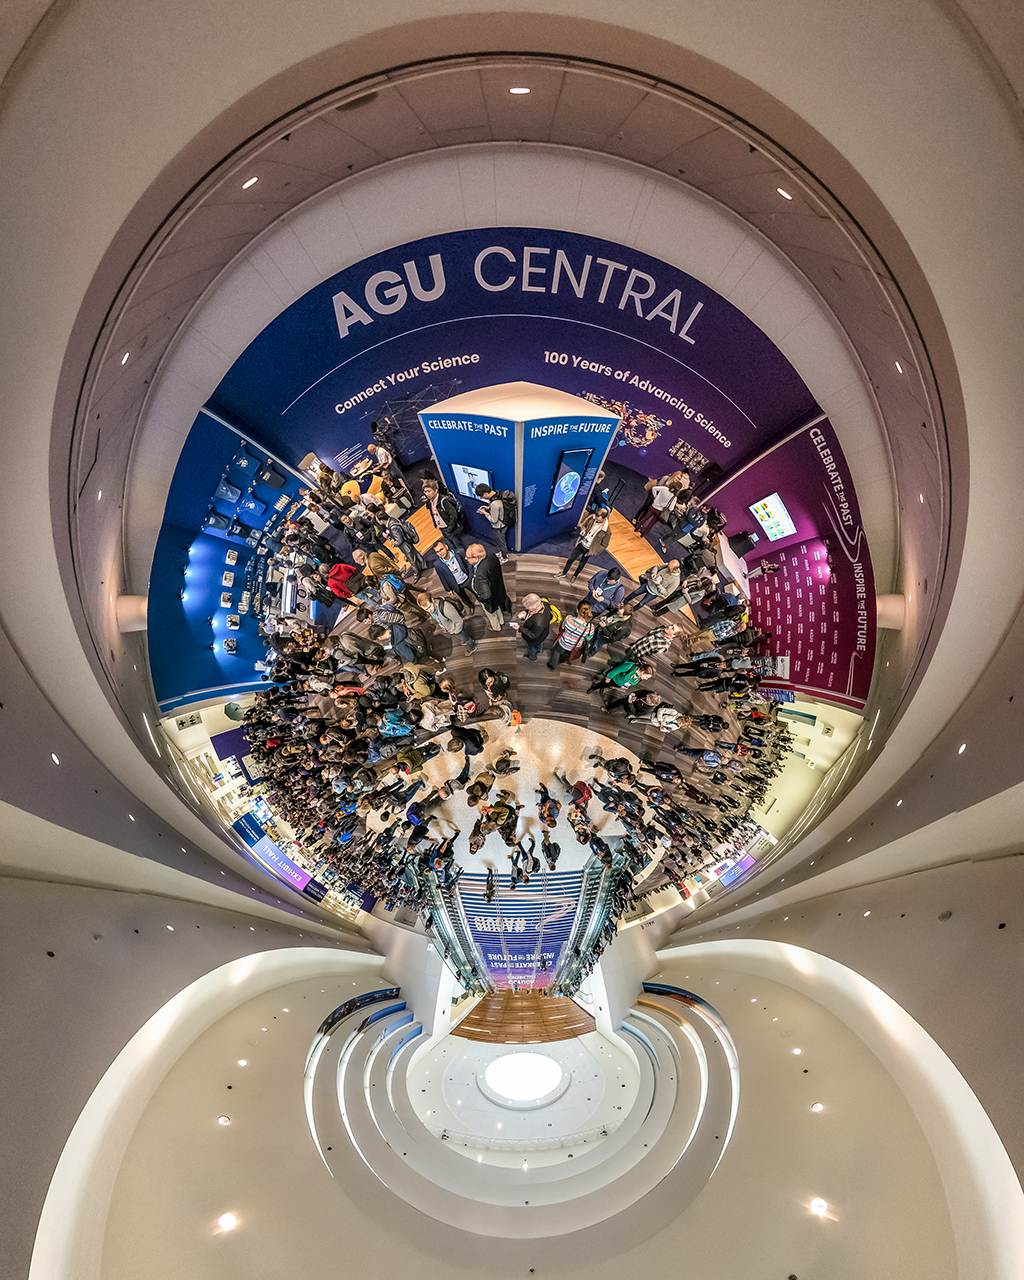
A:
(453, 573)
(488, 585)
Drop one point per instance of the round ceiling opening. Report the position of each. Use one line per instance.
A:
(523, 1077)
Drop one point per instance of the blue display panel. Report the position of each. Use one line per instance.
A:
(565, 489)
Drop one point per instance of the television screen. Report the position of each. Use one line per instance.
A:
(568, 478)
(467, 478)
(774, 519)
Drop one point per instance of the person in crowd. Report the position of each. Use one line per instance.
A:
(404, 537)
(659, 640)
(576, 629)
(533, 623)
(622, 675)
(495, 684)
(453, 573)
(605, 591)
(445, 509)
(657, 583)
(499, 508)
(488, 585)
(448, 615)
(592, 536)
(383, 461)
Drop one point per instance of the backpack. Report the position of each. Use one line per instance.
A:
(451, 510)
(509, 506)
(457, 605)
(402, 531)
(554, 614)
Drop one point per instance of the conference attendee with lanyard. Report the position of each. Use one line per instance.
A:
(453, 573)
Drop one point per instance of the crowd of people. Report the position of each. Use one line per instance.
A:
(349, 718)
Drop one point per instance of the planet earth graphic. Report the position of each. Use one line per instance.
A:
(566, 489)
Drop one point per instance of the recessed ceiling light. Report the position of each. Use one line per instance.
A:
(921, 496)
(266, 1028)
(961, 749)
(223, 1120)
(170, 927)
(754, 998)
(227, 1221)
(243, 1062)
(899, 366)
(99, 495)
(54, 758)
(819, 1206)
(519, 89)
(898, 803)
(132, 816)
(784, 194)
(798, 1051)
(249, 183)
(817, 1106)
(124, 358)
(867, 913)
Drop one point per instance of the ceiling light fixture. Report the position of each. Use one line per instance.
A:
(899, 366)
(961, 749)
(798, 1051)
(170, 927)
(817, 1106)
(819, 1206)
(227, 1222)
(243, 1062)
(124, 358)
(249, 183)
(785, 194)
(867, 913)
(99, 495)
(223, 1120)
(54, 758)
(518, 90)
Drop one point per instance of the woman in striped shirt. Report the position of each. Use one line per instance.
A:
(576, 629)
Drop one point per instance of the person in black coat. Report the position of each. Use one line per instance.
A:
(488, 585)
(533, 624)
(452, 571)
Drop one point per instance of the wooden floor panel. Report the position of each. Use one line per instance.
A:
(527, 1018)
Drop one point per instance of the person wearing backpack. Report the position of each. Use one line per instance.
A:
(404, 537)
(445, 510)
(448, 614)
(500, 510)
(533, 624)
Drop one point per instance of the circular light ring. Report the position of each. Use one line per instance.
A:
(524, 1081)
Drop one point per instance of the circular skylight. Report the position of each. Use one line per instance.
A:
(523, 1077)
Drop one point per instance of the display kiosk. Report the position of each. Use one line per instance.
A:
(544, 445)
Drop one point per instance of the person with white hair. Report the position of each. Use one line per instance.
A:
(533, 623)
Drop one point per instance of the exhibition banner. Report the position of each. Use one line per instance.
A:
(522, 934)
(481, 307)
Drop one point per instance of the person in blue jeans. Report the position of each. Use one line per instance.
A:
(657, 583)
